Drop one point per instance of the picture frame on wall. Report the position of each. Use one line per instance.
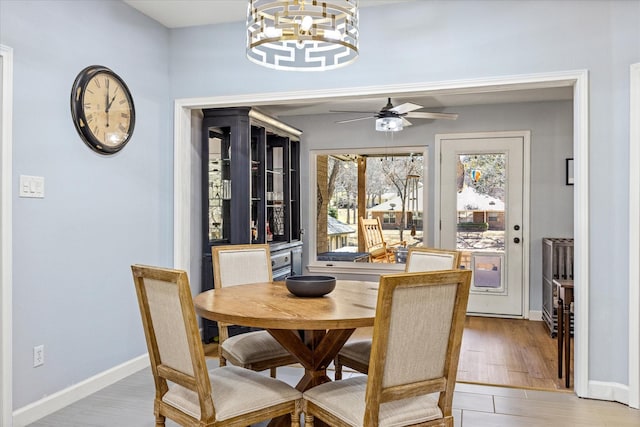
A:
(569, 172)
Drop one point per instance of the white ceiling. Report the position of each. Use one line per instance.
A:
(186, 13)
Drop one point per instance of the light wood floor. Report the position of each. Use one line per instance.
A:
(510, 352)
(506, 352)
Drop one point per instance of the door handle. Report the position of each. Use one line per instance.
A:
(516, 240)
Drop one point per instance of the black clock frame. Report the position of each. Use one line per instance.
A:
(79, 117)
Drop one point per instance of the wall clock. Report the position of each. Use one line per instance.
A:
(102, 109)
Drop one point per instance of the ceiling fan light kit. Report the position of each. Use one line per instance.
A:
(389, 124)
(302, 35)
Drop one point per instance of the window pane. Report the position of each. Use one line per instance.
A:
(385, 188)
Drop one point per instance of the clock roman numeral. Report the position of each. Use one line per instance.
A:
(97, 83)
(122, 128)
(124, 115)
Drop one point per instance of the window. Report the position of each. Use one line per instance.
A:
(366, 184)
(389, 218)
(465, 216)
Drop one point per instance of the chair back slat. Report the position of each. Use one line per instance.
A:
(372, 233)
(241, 264)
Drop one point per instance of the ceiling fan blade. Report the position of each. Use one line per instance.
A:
(351, 111)
(406, 122)
(425, 115)
(355, 120)
(405, 108)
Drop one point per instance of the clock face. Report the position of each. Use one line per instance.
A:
(102, 109)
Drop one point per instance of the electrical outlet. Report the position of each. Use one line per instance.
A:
(38, 355)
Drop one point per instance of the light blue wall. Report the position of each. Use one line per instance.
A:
(72, 286)
(431, 41)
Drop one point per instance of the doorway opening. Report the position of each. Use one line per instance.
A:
(578, 81)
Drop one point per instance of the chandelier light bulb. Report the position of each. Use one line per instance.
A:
(272, 32)
(306, 24)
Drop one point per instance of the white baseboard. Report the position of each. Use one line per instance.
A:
(535, 315)
(50, 404)
(609, 391)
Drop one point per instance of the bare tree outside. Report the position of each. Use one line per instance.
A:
(491, 178)
(398, 172)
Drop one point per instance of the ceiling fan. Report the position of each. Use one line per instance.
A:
(393, 119)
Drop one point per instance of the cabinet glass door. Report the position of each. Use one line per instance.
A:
(258, 221)
(277, 190)
(294, 185)
(218, 186)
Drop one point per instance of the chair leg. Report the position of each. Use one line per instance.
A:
(273, 372)
(160, 420)
(308, 420)
(223, 361)
(338, 367)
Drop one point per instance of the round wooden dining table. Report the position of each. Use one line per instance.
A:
(313, 330)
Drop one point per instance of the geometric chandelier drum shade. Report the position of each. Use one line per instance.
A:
(302, 35)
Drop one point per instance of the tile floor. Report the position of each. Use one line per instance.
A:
(129, 403)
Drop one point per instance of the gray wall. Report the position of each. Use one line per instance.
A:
(72, 289)
(72, 286)
(551, 126)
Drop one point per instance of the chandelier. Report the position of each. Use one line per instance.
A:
(302, 35)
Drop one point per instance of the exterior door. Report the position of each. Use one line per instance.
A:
(481, 213)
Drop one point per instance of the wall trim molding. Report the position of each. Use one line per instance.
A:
(50, 404)
(6, 242)
(581, 231)
(634, 238)
(609, 391)
(578, 79)
(535, 315)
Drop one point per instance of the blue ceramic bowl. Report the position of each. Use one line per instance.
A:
(310, 286)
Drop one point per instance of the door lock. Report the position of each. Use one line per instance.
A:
(516, 227)
(516, 240)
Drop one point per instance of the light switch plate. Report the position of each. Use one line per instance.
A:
(32, 186)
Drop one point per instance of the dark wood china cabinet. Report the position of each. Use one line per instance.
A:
(251, 190)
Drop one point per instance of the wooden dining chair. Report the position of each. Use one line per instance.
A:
(414, 359)
(355, 353)
(257, 350)
(185, 392)
(374, 242)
